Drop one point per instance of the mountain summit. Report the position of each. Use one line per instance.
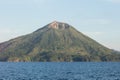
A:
(56, 41)
(58, 25)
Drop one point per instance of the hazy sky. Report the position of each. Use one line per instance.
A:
(99, 19)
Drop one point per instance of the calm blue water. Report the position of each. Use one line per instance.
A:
(60, 71)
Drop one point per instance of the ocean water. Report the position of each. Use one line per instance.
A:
(60, 71)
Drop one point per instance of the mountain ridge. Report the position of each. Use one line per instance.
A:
(57, 41)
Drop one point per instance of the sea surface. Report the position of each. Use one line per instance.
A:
(59, 71)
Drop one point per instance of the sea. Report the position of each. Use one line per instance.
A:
(59, 71)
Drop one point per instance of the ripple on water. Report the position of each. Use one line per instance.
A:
(59, 71)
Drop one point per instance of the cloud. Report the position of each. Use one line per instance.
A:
(6, 34)
(5, 31)
(96, 33)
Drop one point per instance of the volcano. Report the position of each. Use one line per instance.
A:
(57, 41)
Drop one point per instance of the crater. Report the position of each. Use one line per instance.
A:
(58, 25)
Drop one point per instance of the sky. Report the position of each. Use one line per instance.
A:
(98, 19)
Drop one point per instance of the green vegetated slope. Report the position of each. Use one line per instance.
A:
(56, 42)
